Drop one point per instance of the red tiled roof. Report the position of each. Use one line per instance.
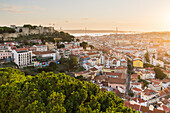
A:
(21, 49)
(82, 72)
(41, 45)
(134, 76)
(93, 69)
(166, 80)
(44, 52)
(112, 73)
(85, 57)
(136, 89)
(166, 108)
(92, 53)
(138, 99)
(165, 101)
(116, 80)
(146, 109)
(100, 78)
(162, 94)
(167, 91)
(118, 93)
(133, 106)
(148, 91)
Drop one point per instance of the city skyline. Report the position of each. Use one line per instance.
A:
(128, 15)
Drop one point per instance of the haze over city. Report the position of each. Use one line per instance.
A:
(128, 15)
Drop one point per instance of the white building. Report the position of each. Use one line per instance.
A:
(40, 47)
(22, 57)
(150, 96)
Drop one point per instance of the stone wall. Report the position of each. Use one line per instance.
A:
(9, 36)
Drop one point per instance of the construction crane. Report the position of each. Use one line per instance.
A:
(56, 41)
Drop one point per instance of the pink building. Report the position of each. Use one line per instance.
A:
(116, 82)
(76, 50)
(4, 54)
(2, 46)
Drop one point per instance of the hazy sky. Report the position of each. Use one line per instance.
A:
(138, 15)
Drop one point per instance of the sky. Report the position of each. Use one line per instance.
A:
(129, 15)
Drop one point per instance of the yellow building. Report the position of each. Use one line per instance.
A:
(137, 62)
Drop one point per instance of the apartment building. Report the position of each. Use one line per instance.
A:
(5, 54)
(76, 50)
(22, 57)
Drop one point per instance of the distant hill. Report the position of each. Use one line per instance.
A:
(97, 31)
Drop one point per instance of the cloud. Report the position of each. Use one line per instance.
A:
(84, 18)
(37, 8)
(18, 9)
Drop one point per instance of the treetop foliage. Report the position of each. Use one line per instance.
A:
(159, 74)
(84, 45)
(30, 26)
(46, 37)
(54, 93)
(147, 57)
(6, 30)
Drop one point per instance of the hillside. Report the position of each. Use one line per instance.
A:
(54, 93)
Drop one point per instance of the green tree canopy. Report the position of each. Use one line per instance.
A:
(84, 45)
(53, 65)
(6, 30)
(73, 63)
(91, 46)
(55, 93)
(48, 37)
(77, 40)
(147, 57)
(30, 26)
(159, 73)
(70, 64)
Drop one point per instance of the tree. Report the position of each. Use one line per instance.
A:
(91, 46)
(73, 63)
(139, 77)
(81, 78)
(29, 26)
(147, 57)
(84, 45)
(7, 30)
(148, 65)
(131, 94)
(42, 37)
(159, 73)
(54, 93)
(77, 40)
(53, 65)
